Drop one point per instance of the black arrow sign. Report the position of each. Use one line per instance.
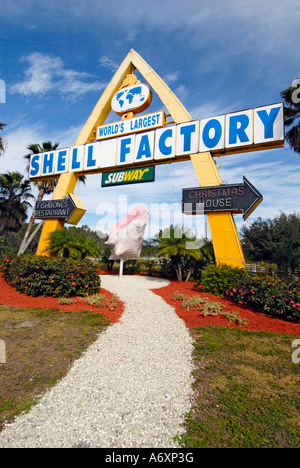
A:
(236, 198)
(55, 209)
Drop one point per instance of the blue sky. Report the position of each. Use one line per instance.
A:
(217, 57)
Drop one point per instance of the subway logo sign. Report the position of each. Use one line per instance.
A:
(128, 176)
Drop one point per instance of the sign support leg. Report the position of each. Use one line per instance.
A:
(225, 238)
(121, 267)
(24, 247)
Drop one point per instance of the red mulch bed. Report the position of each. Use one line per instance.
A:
(257, 321)
(107, 272)
(9, 296)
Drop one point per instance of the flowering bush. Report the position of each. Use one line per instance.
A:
(45, 276)
(272, 295)
(218, 279)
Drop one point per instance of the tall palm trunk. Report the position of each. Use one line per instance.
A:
(176, 260)
(191, 269)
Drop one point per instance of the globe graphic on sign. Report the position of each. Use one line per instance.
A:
(136, 97)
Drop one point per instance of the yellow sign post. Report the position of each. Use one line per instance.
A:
(226, 242)
(66, 185)
(150, 140)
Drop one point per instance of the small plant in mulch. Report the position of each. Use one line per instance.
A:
(113, 302)
(97, 300)
(100, 300)
(67, 300)
(208, 307)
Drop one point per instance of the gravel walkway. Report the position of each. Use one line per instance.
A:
(131, 388)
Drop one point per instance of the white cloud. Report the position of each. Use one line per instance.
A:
(207, 18)
(107, 62)
(131, 36)
(18, 140)
(46, 73)
(20, 136)
(275, 174)
(181, 92)
(208, 110)
(171, 77)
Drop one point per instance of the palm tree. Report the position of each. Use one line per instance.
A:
(206, 255)
(176, 247)
(67, 243)
(15, 192)
(2, 140)
(45, 187)
(88, 247)
(62, 244)
(291, 97)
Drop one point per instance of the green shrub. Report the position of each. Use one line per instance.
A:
(150, 267)
(166, 268)
(131, 267)
(45, 276)
(2, 246)
(105, 259)
(279, 297)
(218, 279)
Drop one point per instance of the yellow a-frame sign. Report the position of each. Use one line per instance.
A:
(224, 234)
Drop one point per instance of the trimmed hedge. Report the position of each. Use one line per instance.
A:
(279, 297)
(45, 276)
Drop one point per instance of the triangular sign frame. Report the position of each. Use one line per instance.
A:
(103, 107)
(222, 225)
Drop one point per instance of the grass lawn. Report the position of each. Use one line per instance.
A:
(247, 391)
(41, 345)
(246, 385)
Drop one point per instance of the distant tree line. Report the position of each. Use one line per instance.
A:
(274, 240)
